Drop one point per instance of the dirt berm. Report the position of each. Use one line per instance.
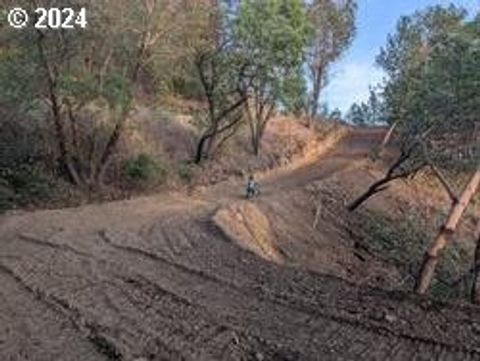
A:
(246, 225)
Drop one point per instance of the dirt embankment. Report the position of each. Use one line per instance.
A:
(172, 140)
(246, 225)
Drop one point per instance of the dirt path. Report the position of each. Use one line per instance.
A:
(153, 279)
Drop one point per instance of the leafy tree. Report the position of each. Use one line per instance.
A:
(370, 113)
(334, 28)
(294, 93)
(84, 81)
(336, 114)
(357, 114)
(271, 36)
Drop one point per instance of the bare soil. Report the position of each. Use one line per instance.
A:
(161, 278)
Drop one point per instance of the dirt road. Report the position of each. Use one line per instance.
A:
(154, 279)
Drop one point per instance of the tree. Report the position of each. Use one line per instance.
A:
(447, 229)
(271, 37)
(220, 75)
(85, 80)
(294, 93)
(335, 115)
(406, 165)
(221, 70)
(431, 98)
(409, 98)
(370, 113)
(357, 114)
(452, 67)
(334, 29)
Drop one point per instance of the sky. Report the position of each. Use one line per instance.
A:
(351, 77)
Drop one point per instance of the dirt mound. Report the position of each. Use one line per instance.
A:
(246, 225)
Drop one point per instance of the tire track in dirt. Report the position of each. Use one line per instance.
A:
(301, 307)
(37, 300)
(97, 332)
(136, 284)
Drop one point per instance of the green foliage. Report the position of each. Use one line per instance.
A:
(272, 32)
(294, 93)
(271, 36)
(370, 113)
(270, 39)
(87, 78)
(144, 170)
(358, 114)
(432, 91)
(23, 186)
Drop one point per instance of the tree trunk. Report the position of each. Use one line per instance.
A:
(254, 121)
(382, 184)
(119, 127)
(66, 166)
(211, 140)
(256, 144)
(199, 151)
(445, 183)
(388, 136)
(431, 257)
(111, 145)
(375, 188)
(476, 267)
(317, 87)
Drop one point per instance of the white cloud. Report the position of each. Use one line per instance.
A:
(350, 83)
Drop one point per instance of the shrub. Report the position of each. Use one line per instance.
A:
(23, 186)
(185, 172)
(143, 170)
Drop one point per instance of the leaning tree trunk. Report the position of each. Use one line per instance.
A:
(375, 188)
(476, 270)
(383, 183)
(386, 139)
(388, 135)
(431, 257)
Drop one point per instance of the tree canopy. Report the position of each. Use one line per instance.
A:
(431, 91)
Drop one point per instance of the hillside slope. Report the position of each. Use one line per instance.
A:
(160, 278)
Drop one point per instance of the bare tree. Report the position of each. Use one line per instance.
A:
(333, 23)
